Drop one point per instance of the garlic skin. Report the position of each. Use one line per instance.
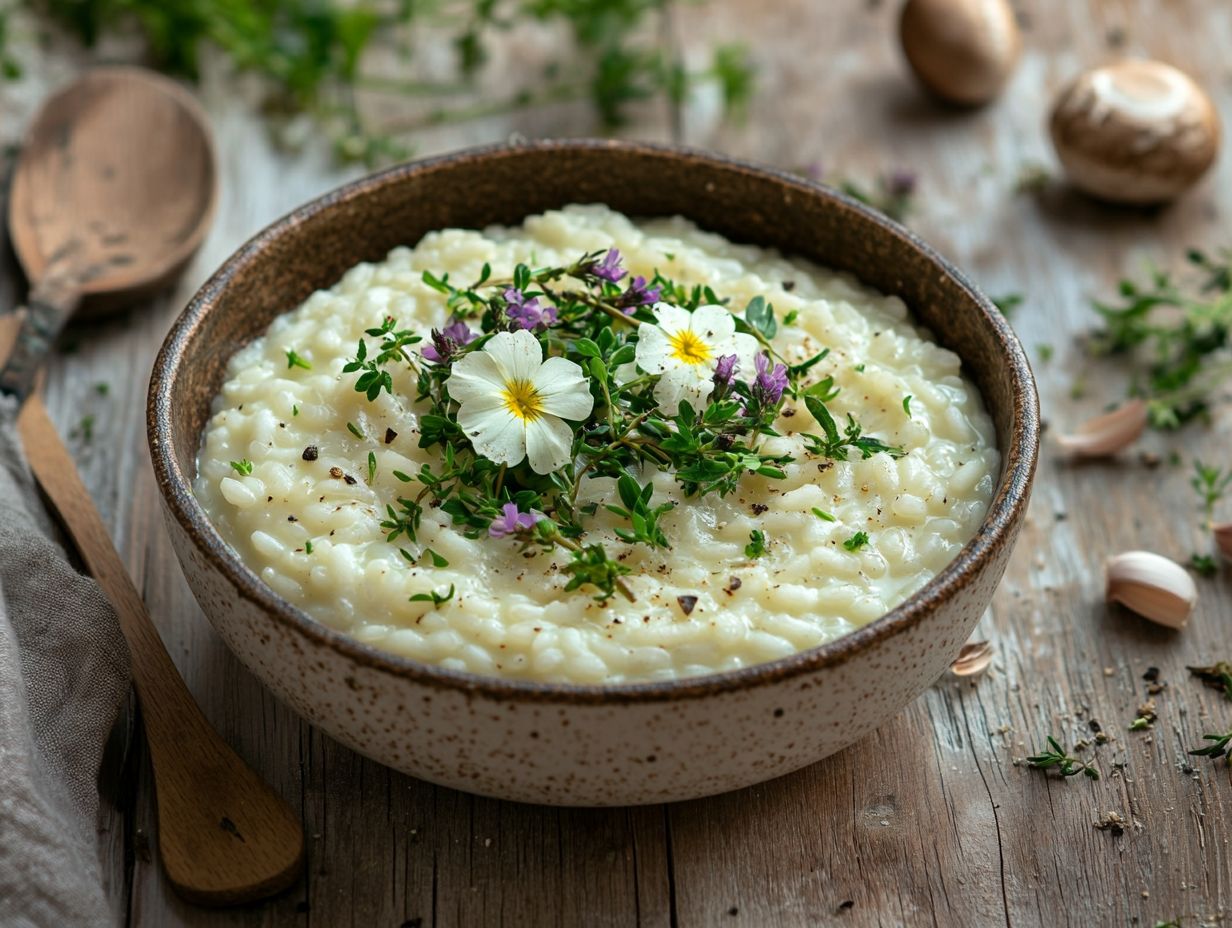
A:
(973, 659)
(1134, 131)
(1151, 585)
(1223, 539)
(1107, 434)
(963, 51)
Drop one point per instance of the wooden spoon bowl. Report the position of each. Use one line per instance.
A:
(79, 213)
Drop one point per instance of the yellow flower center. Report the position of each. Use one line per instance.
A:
(688, 348)
(523, 400)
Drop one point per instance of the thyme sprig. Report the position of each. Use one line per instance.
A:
(1056, 758)
(1175, 335)
(587, 313)
(1217, 748)
(1217, 676)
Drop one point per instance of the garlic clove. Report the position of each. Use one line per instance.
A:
(1223, 539)
(1107, 434)
(973, 659)
(1151, 585)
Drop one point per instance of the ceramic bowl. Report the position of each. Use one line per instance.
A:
(570, 744)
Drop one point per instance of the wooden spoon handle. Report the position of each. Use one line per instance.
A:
(225, 837)
(52, 301)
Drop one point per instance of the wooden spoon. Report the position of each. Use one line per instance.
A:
(112, 195)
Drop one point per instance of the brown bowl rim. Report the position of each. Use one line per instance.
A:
(1006, 508)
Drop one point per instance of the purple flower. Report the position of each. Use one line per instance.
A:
(637, 295)
(770, 382)
(900, 183)
(445, 343)
(527, 314)
(609, 268)
(512, 521)
(724, 370)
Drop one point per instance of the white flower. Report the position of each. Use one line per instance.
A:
(513, 401)
(684, 347)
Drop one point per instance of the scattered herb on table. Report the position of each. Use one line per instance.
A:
(1045, 352)
(599, 374)
(1204, 565)
(1217, 748)
(1174, 337)
(1212, 485)
(892, 193)
(1217, 675)
(102, 388)
(1008, 303)
(1057, 758)
(84, 429)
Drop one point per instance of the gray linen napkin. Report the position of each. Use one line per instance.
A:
(63, 672)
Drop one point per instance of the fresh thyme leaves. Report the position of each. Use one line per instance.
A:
(1008, 303)
(1057, 758)
(1211, 484)
(84, 429)
(1204, 565)
(836, 446)
(907, 405)
(354, 429)
(823, 515)
(1217, 748)
(856, 541)
(294, 360)
(892, 194)
(319, 58)
(433, 597)
(371, 467)
(757, 545)
(643, 519)
(243, 467)
(1175, 337)
(307, 547)
(1217, 675)
(616, 374)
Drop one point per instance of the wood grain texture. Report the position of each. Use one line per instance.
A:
(929, 822)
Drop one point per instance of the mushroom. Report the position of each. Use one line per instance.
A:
(1135, 131)
(962, 50)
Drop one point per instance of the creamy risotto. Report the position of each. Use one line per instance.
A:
(316, 464)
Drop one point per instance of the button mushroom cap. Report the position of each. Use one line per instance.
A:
(1136, 131)
(962, 50)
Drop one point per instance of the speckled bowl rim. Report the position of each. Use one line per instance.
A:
(1008, 505)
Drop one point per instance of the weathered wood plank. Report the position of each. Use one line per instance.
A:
(927, 822)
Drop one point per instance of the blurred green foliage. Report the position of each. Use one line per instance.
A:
(311, 52)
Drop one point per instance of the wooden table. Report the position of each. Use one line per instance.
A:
(929, 821)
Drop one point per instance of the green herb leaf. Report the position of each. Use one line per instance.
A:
(294, 360)
(760, 315)
(856, 541)
(758, 544)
